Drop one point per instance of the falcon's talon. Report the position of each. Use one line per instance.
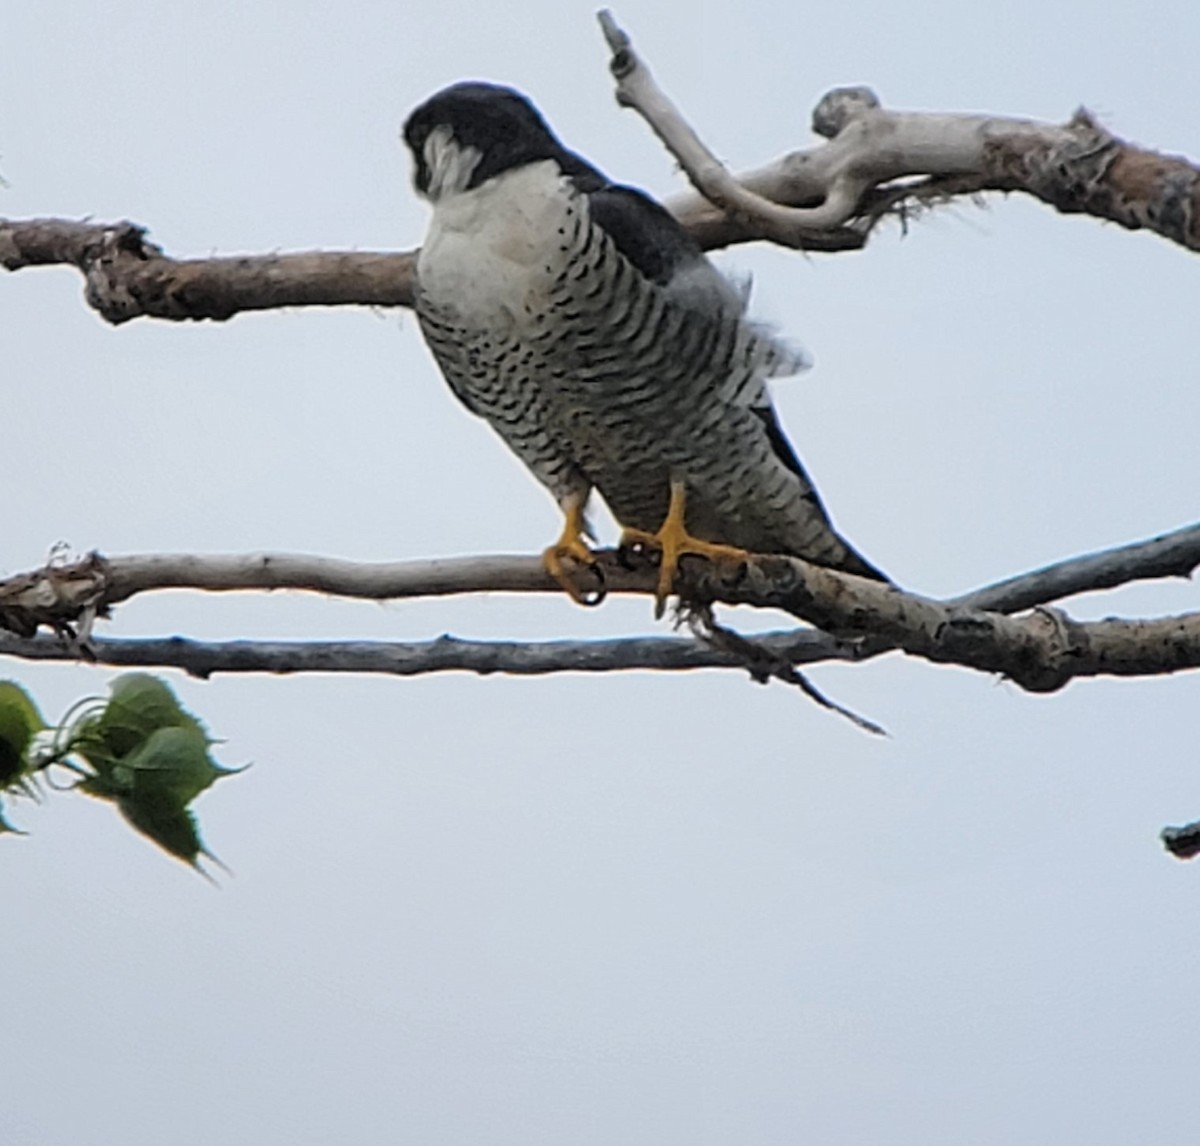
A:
(589, 599)
(557, 561)
(571, 550)
(673, 542)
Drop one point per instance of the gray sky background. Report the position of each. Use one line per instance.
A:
(641, 909)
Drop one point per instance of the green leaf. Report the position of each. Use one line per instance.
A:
(154, 784)
(20, 721)
(173, 764)
(174, 829)
(140, 704)
(140, 749)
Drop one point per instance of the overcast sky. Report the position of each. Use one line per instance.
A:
(635, 909)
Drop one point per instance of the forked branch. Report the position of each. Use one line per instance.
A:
(879, 162)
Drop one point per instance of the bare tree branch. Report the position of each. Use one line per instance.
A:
(845, 186)
(128, 277)
(445, 654)
(105, 582)
(1174, 554)
(874, 164)
(1040, 651)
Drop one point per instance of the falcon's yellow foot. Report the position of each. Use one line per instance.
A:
(569, 552)
(673, 540)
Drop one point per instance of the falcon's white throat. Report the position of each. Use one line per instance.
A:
(450, 164)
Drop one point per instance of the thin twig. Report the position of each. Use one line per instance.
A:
(764, 663)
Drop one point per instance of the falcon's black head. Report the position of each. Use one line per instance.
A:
(470, 132)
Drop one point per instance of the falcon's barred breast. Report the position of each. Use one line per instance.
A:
(586, 326)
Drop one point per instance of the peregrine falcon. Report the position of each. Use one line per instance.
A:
(581, 320)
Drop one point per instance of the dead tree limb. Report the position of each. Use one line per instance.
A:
(1040, 651)
(126, 276)
(877, 161)
(443, 654)
(874, 164)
